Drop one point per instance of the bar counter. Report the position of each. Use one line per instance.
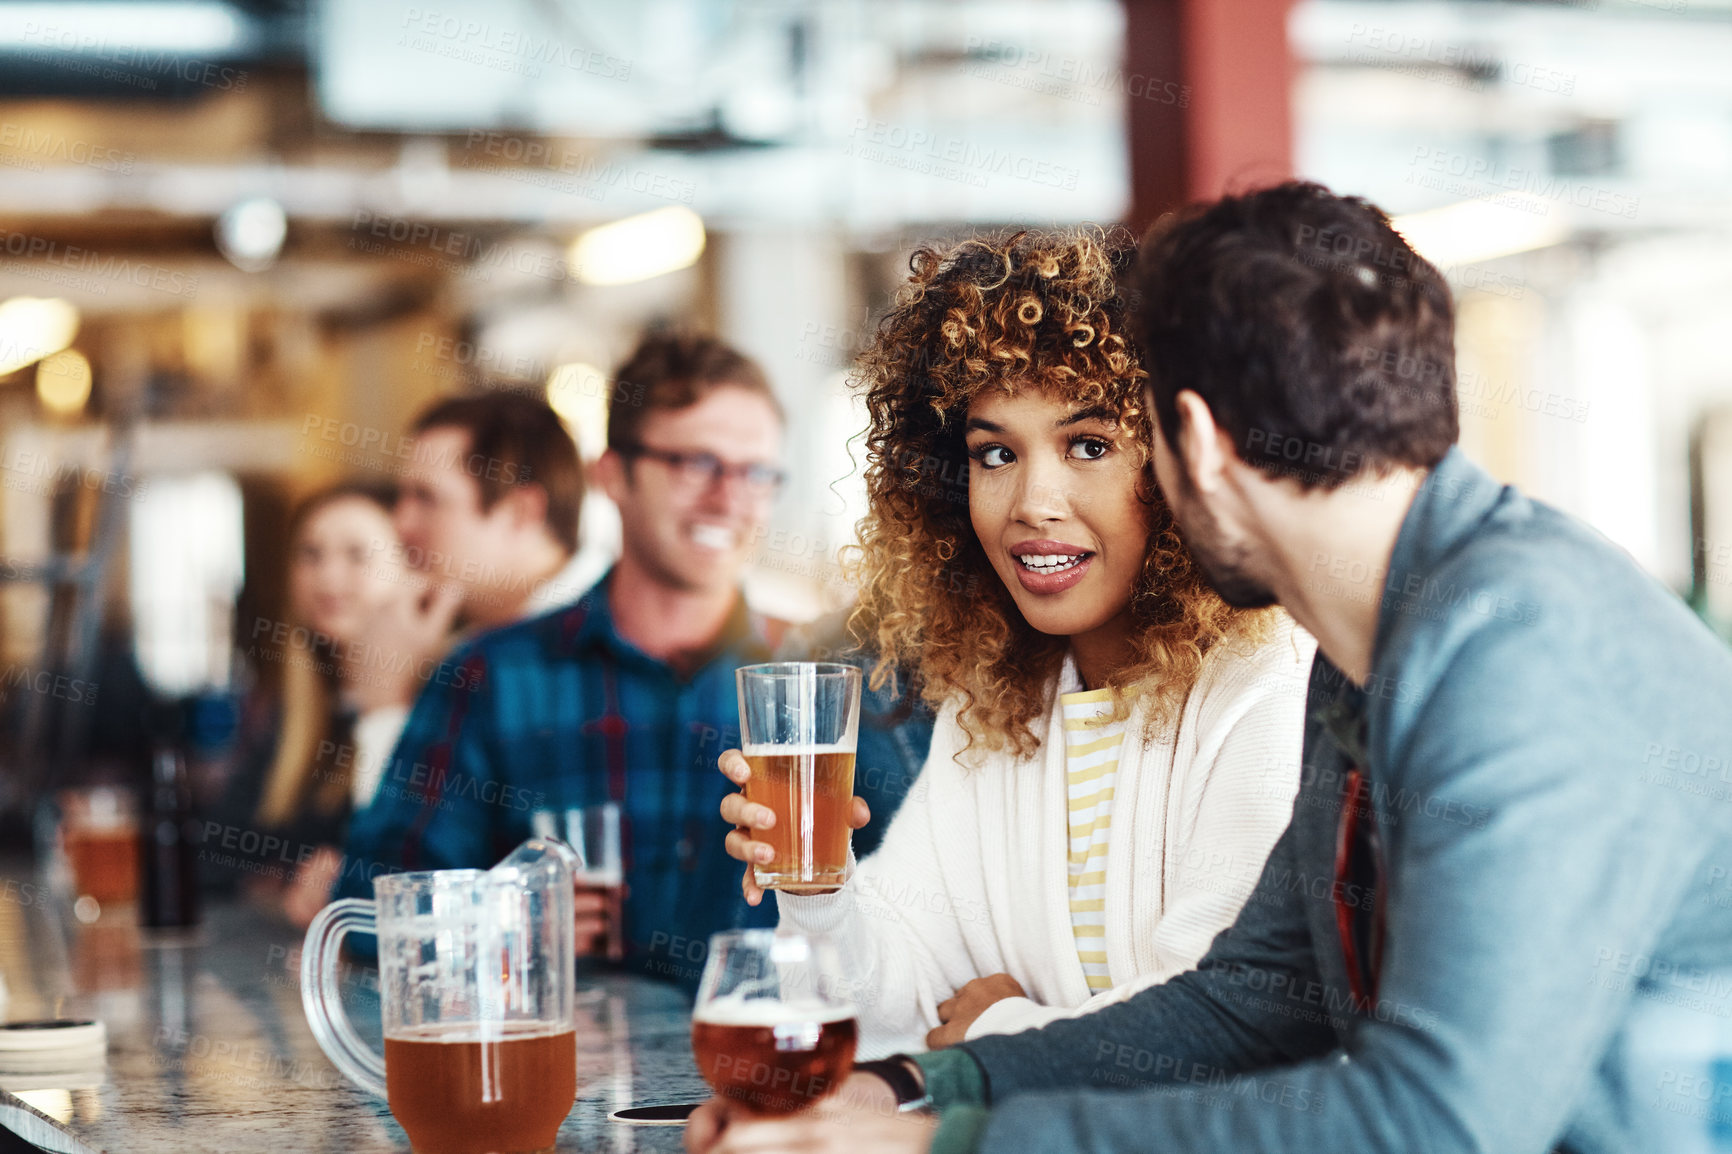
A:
(208, 1049)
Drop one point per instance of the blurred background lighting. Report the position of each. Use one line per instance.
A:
(251, 233)
(70, 26)
(578, 392)
(188, 561)
(63, 382)
(638, 247)
(32, 328)
(1480, 230)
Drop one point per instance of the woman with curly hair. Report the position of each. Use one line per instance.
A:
(1117, 749)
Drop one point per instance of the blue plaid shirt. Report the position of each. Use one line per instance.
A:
(559, 711)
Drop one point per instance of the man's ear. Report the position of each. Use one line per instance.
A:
(609, 473)
(1204, 448)
(526, 505)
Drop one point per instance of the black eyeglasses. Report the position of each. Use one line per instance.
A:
(706, 469)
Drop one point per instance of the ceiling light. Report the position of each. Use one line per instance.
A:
(638, 247)
(104, 27)
(251, 233)
(63, 383)
(32, 328)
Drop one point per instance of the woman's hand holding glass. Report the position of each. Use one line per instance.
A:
(747, 817)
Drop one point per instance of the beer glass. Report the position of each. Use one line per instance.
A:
(477, 973)
(594, 832)
(99, 834)
(774, 1025)
(799, 721)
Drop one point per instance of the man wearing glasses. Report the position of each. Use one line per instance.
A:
(627, 696)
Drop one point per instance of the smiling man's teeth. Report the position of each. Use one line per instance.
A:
(1050, 562)
(713, 536)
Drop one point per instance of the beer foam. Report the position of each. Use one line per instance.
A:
(734, 1010)
(460, 1033)
(762, 750)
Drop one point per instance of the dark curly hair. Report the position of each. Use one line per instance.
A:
(1023, 310)
(1323, 344)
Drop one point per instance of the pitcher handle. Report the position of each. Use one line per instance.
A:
(324, 1004)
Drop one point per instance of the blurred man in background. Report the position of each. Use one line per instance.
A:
(628, 695)
(489, 507)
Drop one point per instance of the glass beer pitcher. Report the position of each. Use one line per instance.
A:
(476, 973)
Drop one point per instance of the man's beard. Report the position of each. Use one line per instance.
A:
(1223, 566)
(1226, 575)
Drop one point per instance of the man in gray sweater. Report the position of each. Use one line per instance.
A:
(1500, 921)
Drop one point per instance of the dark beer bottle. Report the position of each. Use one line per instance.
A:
(167, 836)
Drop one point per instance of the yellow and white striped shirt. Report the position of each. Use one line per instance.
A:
(1092, 743)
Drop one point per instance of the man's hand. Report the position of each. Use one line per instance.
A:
(405, 632)
(959, 1011)
(596, 909)
(591, 907)
(836, 1125)
(746, 816)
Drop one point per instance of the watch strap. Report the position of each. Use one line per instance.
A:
(900, 1074)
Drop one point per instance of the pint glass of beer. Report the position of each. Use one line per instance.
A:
(99, 832)
(774, 1024)
(799, 721)
(593, 831)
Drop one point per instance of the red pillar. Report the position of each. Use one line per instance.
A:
(1231, 124)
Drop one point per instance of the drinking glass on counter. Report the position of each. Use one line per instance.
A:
(593, 831)
(477, 977)
(99, 833)
(774, 1025)
(799, 725)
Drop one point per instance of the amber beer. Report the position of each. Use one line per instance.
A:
(811, 790)
(773, 1057)
(610, 943)
(104, 862)
(99, 834)
(455, 1094)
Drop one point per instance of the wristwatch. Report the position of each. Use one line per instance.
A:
(904, 1078)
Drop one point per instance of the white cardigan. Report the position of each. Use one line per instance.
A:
(971, 877)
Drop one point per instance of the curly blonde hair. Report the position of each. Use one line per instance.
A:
(1031, 309)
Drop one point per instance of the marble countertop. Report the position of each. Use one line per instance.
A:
(208, 1049)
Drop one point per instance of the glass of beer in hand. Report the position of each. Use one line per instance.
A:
(774, 1024)
(593, 831)
(799, 721)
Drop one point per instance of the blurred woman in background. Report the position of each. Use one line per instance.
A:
(343, 699)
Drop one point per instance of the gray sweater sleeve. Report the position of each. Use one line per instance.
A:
(1219, 1016)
